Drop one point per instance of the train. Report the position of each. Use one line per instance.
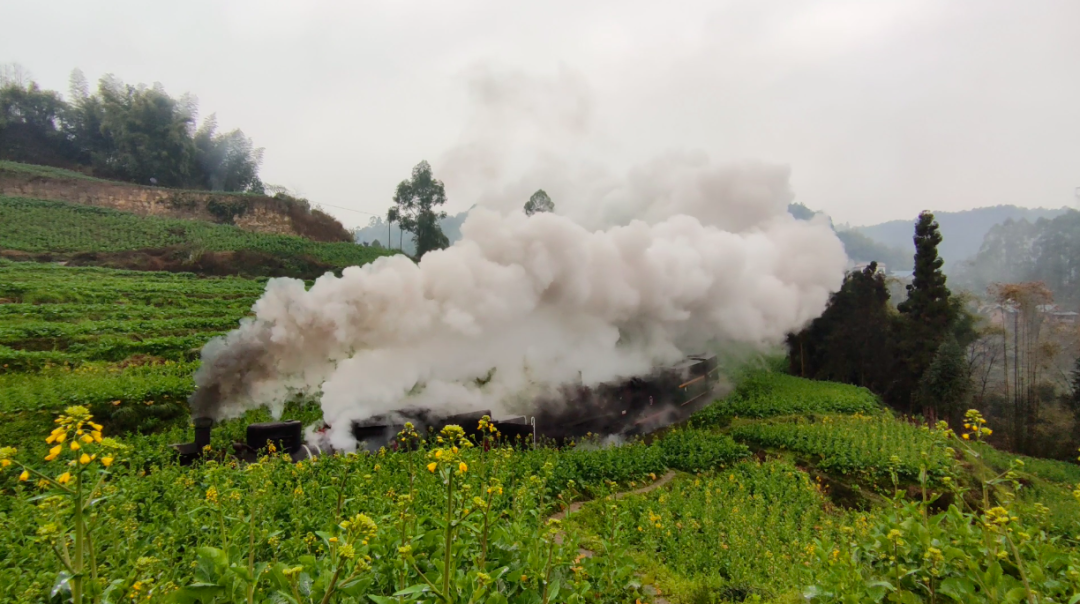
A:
(629, 407)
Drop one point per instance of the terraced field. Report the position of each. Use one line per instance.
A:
(65, 229)
(122, 343)
(752, 514)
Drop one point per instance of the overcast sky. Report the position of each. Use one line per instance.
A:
(881, 108)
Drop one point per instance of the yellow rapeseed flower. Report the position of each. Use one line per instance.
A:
(431, 466)
(84, 459)
(87, 439)
(53, 453)
(64, 478)
(462, 467)
(106, 461)
(75, 445)
(25, 475)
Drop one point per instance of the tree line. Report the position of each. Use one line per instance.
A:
(138, 134)
(932, 355)
(417, 200)
(1047, 251)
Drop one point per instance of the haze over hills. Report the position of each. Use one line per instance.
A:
(377, 230)
(887, 242)
(963, 232)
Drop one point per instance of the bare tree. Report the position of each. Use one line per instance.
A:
(983, 357)
(1024, 305)
(13, 74)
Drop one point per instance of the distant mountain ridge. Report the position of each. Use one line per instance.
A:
(888, 243)
(962, 232)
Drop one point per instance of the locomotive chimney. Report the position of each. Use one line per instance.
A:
(202, 432)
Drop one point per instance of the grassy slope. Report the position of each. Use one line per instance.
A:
(63, 174)
(830, 453)
(43, 171)
(53, 226)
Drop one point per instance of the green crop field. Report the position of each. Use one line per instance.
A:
(43, 171)
(873, 445)
(752, 502)
(122, 343)
(31, 225)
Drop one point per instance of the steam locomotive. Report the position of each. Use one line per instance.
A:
(630, 407)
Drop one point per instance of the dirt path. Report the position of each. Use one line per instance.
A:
(574, 507)
(666, 478)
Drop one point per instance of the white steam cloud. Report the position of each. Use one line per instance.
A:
(540, 300)
(631, 273)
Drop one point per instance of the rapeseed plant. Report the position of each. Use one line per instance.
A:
(80, 483)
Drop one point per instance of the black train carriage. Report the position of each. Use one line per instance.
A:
(634, 406)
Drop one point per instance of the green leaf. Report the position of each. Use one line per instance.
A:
(382, 600)
(355, 587)
(877, 590)
(553, 592)
(1016, 595)
(243, 573)
(958, 588)
(196, 593)
(419, 588)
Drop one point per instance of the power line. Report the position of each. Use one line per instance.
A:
(347, 209)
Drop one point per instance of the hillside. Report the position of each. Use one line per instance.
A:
(280, 215)
(780, 493)
(34, 229)
(859, 247)
(963, 231)
(804, 491)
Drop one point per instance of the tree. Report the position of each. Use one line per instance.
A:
(983, 356)
(375, 244)
(151, 135)
(946, 384)
(539, 202)
(416, 200)
(928, 297)
(391, 217)
(1020, 251)
(427, 233)
(30, 124)
(227, 161)
(14, 74)
(1074, 399)
(850, 341)
(133, 133)
(928, 314)
(1022, 308)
